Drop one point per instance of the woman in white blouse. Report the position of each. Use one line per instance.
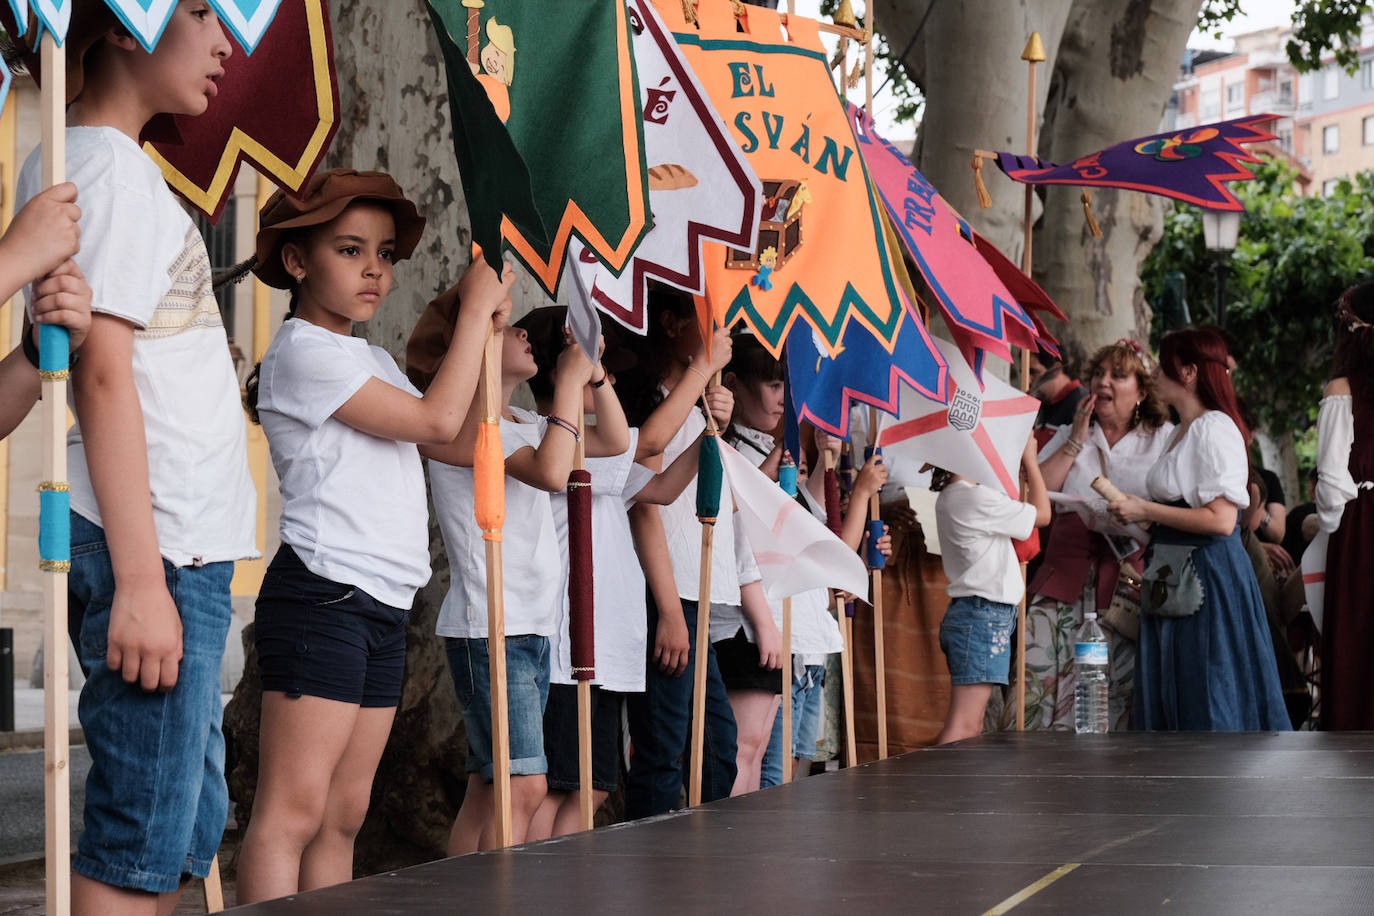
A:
(1118, 431)
(1209, 664)
(1345, 507)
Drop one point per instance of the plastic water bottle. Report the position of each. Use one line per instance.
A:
(1090, 660)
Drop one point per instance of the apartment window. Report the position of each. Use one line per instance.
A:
(1331, 82)
(1367, 74)
(1211, 105)
(1331, 139)
(1286, 139)
(1235, 96)
(1367, 126)
(1285, 92)
(1329, 186)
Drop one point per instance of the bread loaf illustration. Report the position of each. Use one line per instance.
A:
(670, 177)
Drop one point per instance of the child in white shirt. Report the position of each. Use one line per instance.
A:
(539, 456)
(977, 525)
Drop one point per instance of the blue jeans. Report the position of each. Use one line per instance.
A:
(527, 691)
(975, 635)
(807, 693)
(660, 729)
(156, 800)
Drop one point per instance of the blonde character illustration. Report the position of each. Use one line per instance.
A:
(498, 62)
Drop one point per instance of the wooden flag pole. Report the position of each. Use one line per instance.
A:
(55, 493)
(496, 607)
(846, 660)
(876, 572)
(1032, 55)
(586, 803)
(703, 643)
(787, 479)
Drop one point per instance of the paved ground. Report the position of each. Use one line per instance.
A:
(21, 798)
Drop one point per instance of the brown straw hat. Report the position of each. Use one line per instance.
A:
(326, 196)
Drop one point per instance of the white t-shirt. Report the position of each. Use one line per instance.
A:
(620, 625)
(1209, 461)
(683, 529)
(352, 505)
(977, 525)
(147, 264)
(1125, 464)
(533, 567)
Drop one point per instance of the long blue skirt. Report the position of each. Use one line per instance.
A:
(1215, 670)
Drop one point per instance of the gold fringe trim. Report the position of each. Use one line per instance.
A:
(856, 74)
(689, 11)
(984, 198)
(60, 375)
(1093, 227)
(55, 566)
(54, 486)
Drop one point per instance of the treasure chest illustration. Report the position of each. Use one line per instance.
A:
(780, 229)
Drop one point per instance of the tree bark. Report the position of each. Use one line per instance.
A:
(1112, 77)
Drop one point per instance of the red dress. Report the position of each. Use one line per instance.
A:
(1347, 679)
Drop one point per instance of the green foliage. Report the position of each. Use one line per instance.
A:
(1294, 258)
(1322, 26)
(1215, 14)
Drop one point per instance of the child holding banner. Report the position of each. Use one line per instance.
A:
(539, 454)
(977, 524)
(342, 422)
(162, 502)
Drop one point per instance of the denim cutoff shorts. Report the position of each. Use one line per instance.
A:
(156, 800)
(527, 692)
(320, 638)
(976, 639)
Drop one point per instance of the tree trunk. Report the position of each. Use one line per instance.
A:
(1112, 77)
(394, 116)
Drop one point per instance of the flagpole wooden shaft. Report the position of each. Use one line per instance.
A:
(879, 655)
(786, 748)
(1027, 228)
(586, 803)
(214, 888)
(56, 749)
(846, 663)
(703, 648)
(496, 624)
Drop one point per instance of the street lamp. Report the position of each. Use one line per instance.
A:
(1220, 229)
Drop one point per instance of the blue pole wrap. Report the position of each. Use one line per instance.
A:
(875, 559)
(54, 349)
(787, 478)
(54, 529)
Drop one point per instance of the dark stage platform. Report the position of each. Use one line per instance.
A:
(1038, 823)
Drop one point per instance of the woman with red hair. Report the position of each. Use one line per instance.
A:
(1205, 659)
(1345, 507)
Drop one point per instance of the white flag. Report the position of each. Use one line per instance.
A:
(795, 552)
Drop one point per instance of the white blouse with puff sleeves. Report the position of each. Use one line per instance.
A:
(1209, 461)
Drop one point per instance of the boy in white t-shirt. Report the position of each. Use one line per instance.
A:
(162, 502)
(539, 457)
(977, 525)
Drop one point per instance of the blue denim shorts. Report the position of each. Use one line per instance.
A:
(808, 694)
(156, 800)
(976, 638)
(527, 690)
(323, 639)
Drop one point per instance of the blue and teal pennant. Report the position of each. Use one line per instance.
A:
(246, 19)
(53, 15)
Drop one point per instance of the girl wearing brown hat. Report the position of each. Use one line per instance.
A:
(343, 424)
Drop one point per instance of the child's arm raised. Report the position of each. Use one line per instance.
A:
(870, 480)
(381, 409)
(611, 434)
(669, 416)
(548, 466)
(145, 628)
(667, 485)
(1036, 492)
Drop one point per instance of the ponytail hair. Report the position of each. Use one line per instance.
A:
(250, 384)
(1205, 349)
